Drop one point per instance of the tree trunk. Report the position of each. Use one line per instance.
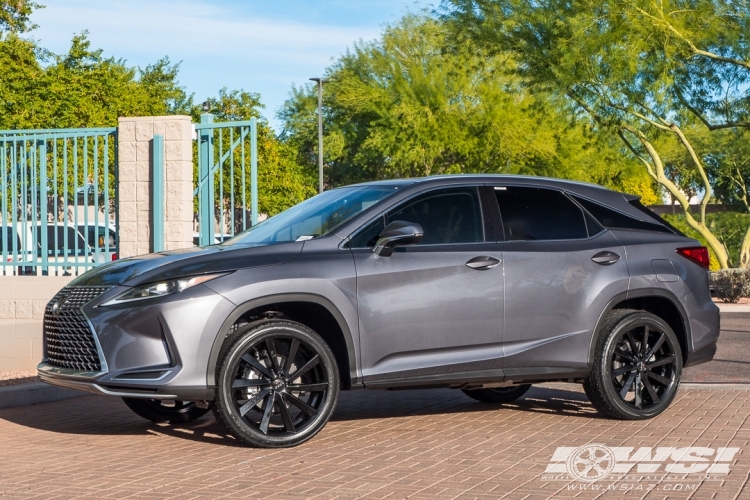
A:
(745, 250)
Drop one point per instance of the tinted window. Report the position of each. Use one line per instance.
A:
(539, 214)
(6, 239)
(57, 246)
(650, 213)
(447, 216)
(617, 220)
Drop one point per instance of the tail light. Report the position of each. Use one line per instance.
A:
(114, 256)
(699, 255)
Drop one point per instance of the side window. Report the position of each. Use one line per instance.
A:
(447, 216)
(617, 220)
(368, 235)
(59, 249)
(539, 214)
(6, 239)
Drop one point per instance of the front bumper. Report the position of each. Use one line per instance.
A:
(157, 349)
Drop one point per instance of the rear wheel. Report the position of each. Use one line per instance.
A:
(277, 384)
(637, 367)
(499, 394)
(165, 411)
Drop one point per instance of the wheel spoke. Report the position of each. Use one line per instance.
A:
(623, 354)
(290, 357)
(644, 345)
(305, 368)
(272, 354)
(650, 389)
(253, 401)
(288, 423)
(257, 365)
(239, 383)
(656, 346)
(663, 361)
(638, 391)
(626, 386)
(633, 346)
(270, 402)
(659, 378)
(317, 387)
(301, 404)
(622, 369)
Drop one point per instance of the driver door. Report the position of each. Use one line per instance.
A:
(424, 314)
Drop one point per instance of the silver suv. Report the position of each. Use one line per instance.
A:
(486, 284)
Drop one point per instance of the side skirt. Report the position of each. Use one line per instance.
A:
(484, 378)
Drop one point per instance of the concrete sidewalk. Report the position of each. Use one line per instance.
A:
(407, 444)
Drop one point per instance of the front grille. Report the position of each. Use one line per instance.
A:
(68, 339)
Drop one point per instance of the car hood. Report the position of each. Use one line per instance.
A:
(134, 271)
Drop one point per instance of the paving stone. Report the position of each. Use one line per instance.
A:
(395, 445)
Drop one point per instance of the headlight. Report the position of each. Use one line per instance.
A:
(160, 289)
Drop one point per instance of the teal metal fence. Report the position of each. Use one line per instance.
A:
(58, 209)
(226, 178)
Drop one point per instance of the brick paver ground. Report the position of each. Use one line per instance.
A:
(407, 444)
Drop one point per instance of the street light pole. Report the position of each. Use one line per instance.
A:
(320, 82)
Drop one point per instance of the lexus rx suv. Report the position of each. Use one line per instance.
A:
(486, 284)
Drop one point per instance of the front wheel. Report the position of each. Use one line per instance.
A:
(637, 367)
(499, 394)
(277, 384)
(165, 411)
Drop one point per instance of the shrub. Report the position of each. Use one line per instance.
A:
(730, 285)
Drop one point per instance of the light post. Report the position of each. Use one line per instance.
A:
(320, 82)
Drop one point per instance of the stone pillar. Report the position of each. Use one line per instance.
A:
(135, 138)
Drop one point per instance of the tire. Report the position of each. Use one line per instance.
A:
(637, 366)
(277, 384)
(498, 395)
(165, 411)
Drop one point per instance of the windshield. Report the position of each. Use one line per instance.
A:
(314, 217)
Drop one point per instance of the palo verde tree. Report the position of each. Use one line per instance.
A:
(651, 72)
(414, 102)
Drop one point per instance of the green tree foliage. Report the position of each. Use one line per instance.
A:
(14, 15)
(83, 88)
(417, 103)
(649, 71)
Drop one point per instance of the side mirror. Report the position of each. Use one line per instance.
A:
(398, 233)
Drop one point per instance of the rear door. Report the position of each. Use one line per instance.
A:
(561, 269)
(432, 311)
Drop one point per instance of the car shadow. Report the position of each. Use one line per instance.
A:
(96, 415)
(394, 404)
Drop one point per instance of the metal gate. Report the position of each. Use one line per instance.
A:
(227, 167)
(58, 200)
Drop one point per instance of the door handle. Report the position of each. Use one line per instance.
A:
(482, 263)
(606, 258)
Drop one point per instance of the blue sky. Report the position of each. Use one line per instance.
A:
(258, 45)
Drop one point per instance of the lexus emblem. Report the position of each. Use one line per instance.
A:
(58, 305)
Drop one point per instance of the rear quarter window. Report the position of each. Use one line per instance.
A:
(612, 219)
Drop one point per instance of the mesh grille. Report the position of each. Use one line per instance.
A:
(68, 340)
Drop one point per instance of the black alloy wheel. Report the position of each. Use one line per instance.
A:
(498, 394)
(638, 366)
(165, 410)
(277, 384)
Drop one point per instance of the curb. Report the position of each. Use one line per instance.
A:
(12, 396)
(732, 308)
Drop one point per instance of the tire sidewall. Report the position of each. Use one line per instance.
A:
(228, 366)
(605, 363)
